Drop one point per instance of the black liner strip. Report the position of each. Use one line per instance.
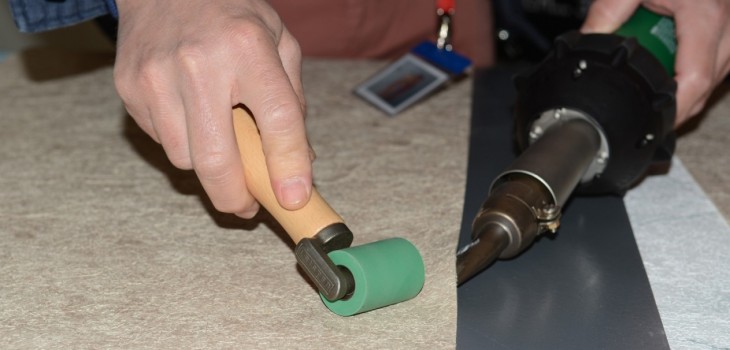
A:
(584, 289)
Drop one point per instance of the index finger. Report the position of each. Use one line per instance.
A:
(264, 87)
(605, 16)
(698, 34)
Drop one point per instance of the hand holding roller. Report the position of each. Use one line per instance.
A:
(351, 280)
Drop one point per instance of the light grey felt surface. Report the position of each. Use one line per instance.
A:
(681, 226)
(684, 243)
(103, 244)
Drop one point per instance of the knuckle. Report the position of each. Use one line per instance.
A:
(150, 75)
(147, 75)
(140, 74)
(721, 8)
(303, 106)
(717, 15)
(177, 155)
(295, 48)
(697, 108)
(602, 9)
(239, 205)
(212, 168)
(191, 57)
(291, 47)
(281, 117)
(714, 14)
(661, 3)
(181, 162)
(123, 84)
(248, 33)
(700, 81)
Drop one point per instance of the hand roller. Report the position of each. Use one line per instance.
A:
(350, 280)
(590, 119)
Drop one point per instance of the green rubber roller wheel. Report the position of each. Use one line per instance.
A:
(385, 272)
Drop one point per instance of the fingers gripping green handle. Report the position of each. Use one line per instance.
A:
(654, 32)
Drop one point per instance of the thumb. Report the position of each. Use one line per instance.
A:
(605, 16)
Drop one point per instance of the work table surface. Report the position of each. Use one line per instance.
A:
(103, 243)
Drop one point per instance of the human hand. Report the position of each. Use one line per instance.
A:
(182, 65)
(703, 39)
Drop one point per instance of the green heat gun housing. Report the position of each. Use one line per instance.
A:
(616, 85)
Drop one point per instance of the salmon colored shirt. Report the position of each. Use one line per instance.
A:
(384, 28)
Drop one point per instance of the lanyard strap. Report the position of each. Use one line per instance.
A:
(445, 6)
(444, 10)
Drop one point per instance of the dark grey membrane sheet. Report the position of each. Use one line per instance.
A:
(585, 288)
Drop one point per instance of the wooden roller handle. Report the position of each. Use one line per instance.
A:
(301, 223)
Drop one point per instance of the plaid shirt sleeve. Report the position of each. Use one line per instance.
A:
(42, 15)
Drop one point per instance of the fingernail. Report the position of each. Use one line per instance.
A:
(293, 192)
